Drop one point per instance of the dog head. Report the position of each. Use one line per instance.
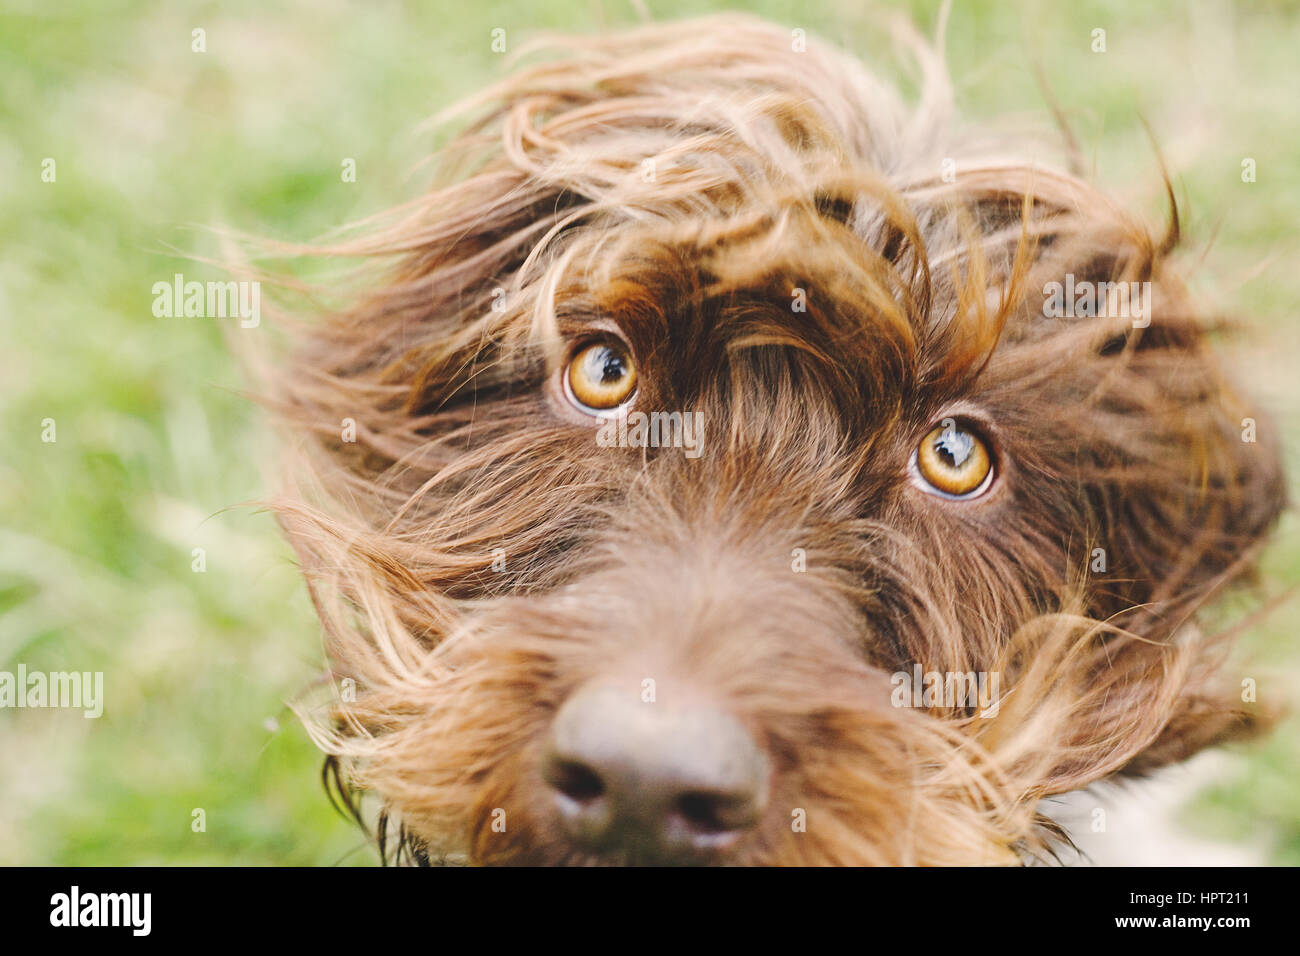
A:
(731, 465)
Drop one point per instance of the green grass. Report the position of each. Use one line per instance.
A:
(154, 142)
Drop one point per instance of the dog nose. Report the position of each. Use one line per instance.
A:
(650, 782)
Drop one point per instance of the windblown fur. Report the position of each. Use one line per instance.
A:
(475, 556)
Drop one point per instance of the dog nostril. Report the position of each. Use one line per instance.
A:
(574, 780)
(713, 814)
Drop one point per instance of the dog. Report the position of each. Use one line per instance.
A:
(726, 462)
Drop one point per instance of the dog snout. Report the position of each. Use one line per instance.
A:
(648, 782)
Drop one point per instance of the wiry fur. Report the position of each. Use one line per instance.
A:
(771, 170)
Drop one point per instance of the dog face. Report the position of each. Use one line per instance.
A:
(703, 419)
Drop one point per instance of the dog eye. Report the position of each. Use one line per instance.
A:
(601, 376)
(954, 461)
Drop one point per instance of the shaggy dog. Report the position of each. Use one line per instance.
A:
(726, 463)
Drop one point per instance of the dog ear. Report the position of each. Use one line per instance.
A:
(1159, 477)
(1179, 476)
(1187, 488)
(1185, 491)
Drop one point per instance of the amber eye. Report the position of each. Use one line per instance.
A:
(954, 461)
(601, 376)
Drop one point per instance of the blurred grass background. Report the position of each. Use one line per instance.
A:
(154, 446)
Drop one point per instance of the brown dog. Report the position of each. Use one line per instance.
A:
(735, 466)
